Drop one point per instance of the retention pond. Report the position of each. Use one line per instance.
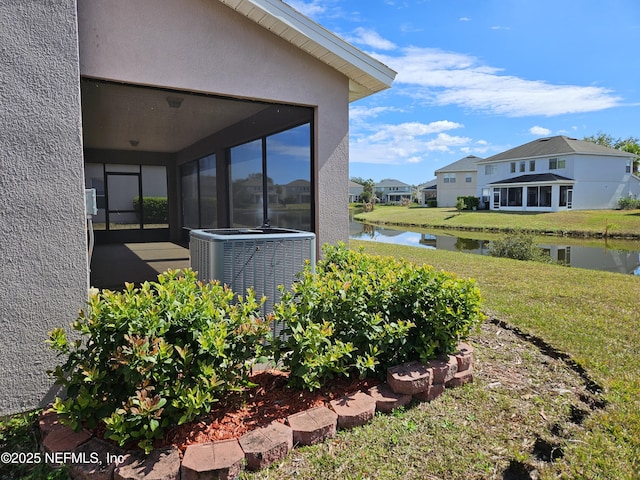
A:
(620, 256)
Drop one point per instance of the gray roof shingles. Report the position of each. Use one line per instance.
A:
(466, 164)
(535, 177)
(552, 146)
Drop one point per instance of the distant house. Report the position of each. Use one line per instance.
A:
(355, 191)
(458, 179)
(428, 191)
(557, 173)
(392, 191)
(297, 192)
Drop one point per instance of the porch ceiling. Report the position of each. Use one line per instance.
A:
(114, 115)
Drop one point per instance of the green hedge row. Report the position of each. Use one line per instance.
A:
(155, 209)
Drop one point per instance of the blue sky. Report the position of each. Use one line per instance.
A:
(477, 77)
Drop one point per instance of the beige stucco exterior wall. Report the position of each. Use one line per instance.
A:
(43, 249)
(204, 46)
(448, 193)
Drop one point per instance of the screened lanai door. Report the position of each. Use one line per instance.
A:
(132, 202)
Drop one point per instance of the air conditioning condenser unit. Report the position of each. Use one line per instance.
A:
(261, 258)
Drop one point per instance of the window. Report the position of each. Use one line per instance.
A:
(556, 163)
(539, 196)
(199, 200)
(532, 196)
(629, 165)
(271, 179)
(190, 206)
(468, 178)
(490, 169)
(532, 165)
(545, 196)
(522, 166)
(449, 178)
(511, 197)
(513, 167)
(208, 195)
(515, 197)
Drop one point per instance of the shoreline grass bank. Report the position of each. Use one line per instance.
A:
(574, 223)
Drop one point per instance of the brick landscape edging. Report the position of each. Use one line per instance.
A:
(261, 447)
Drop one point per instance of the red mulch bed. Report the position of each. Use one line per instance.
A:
(271, 400)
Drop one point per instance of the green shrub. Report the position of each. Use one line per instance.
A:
(154, 209)
(432, 203)
(156, 356)
(628, 203)
(360, 314)
(518, 245)
(468, 203)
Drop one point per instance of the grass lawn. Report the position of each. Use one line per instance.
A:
(573, 222)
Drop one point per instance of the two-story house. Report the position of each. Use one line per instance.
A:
(392, 191)
(355, 191)
(557, 173)
(458, 179)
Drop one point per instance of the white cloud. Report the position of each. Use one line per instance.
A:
(358, 114)
(370, 38)
(410, 130)
(465, 19)
(309, 9)
(536, 130)
(410, 28)
(447, 78)
(404, 143)
(443, 142)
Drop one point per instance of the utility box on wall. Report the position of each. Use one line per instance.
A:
(260, 258)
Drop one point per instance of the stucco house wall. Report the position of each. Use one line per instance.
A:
(42, 213)
(119, 42)
(448, 193)
(458, 179)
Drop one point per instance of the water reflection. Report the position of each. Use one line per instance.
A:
(570, 252)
